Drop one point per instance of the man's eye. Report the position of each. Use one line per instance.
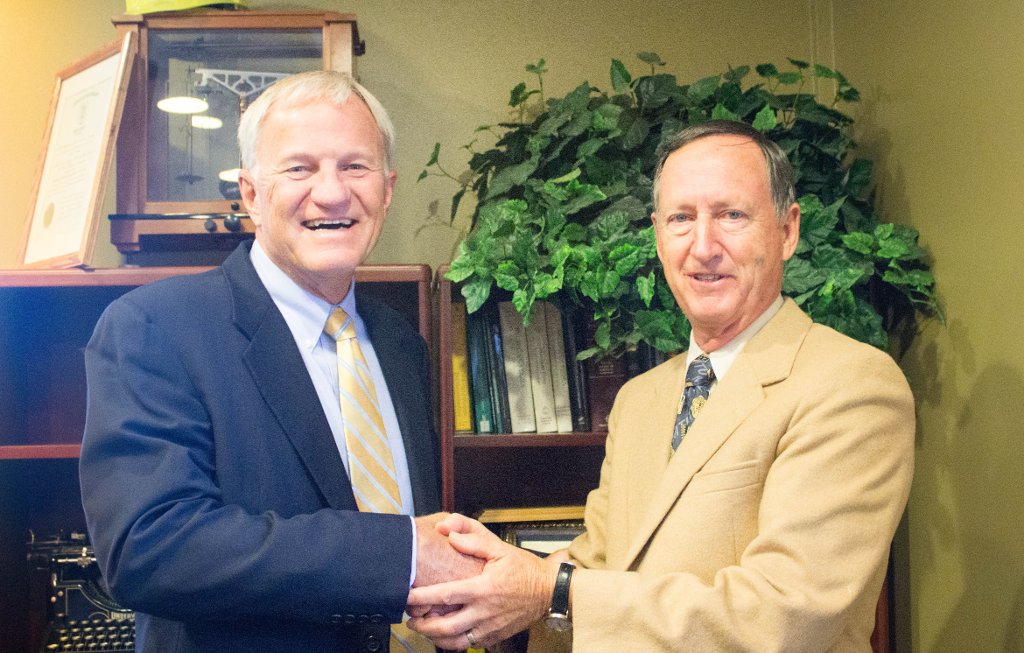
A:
(297, 170)
(355, 169)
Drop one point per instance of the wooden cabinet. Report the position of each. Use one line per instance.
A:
(506, 470)
(46, 319)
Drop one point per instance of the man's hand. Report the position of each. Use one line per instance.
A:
(437, 561)
(513, 591)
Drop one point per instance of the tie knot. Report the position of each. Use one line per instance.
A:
(339, 325)
(699, 373)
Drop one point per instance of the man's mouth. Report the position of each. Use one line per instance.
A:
(708, 277)
(315, 225)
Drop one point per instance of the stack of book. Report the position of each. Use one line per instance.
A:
(511, 378)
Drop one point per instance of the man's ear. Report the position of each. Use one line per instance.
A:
(250, 198)
(790, 231)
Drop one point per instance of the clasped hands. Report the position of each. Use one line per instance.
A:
(473, 589)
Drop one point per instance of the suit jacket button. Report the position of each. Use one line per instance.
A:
(349, 620)
(336, 619)
(371, 643)
(376, 618)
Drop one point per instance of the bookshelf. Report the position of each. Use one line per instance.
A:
(46, 319)
(481, 471)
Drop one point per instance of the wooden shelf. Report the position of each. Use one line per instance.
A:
(506, 470)
(506, 440)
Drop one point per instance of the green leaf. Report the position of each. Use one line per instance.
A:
(650, 58)
(859, 242)
(434, 155)
(654, 91)
(506, 178)
(859, 176)
(456, 199)
(476, 293)
(636, 134)
(518, 96)
(703, 89)
(767, 70)
(721, 113)
(790, 78)
(824, 72)
(892, 248)
(765, 119)
(589, 147)
(536, 68)
(620, 77)
(423, 175)
(796, 62)
(645, 288)
(799, 276)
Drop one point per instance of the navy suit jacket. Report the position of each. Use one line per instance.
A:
(215, 496)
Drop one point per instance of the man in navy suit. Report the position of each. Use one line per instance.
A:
(214, 470)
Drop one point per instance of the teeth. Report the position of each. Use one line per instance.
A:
(707, 277)
(329, 224)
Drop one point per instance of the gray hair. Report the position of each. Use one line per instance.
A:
(315, 85)
(781, 178)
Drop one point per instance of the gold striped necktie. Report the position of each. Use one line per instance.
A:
(371, 466)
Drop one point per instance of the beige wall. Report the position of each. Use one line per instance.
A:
(442, 69)
(942, 89)
(943, 120)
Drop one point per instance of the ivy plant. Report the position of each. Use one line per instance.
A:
(563, 199)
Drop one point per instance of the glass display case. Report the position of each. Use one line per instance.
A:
(177, 157)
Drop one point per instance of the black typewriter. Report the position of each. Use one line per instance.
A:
(81, 614)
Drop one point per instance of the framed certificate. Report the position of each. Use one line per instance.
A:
(81, 130)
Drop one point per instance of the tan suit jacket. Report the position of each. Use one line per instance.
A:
(769, 528)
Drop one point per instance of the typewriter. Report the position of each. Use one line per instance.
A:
(81, 614)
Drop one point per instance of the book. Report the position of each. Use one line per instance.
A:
(604, 378)
(540, 370)
(559, 371)
(496, 360)
(479, 375)
(517, 369)
(461, 402)
(576, 369)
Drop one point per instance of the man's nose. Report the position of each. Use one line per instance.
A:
(705, 238)
(331, 187)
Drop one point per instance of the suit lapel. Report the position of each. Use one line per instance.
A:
(281, 377)
(765, 360)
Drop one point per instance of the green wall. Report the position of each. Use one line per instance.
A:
(942, 87)
(942, 118)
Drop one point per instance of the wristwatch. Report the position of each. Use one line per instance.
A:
(558, 615)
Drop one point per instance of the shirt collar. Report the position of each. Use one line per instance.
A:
(723, 357)
(304, 312)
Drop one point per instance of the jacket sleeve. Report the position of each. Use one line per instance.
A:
(168, 541)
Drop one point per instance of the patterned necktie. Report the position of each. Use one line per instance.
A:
(371, 466)
(695, 394)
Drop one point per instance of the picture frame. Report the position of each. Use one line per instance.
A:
(541, 530)
(542, 537)
(71, 178)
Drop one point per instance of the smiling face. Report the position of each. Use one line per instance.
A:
(718, 236)
(319, 193)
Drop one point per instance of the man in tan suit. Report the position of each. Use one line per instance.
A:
(764, 523)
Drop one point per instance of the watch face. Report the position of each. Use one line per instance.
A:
(558, 622)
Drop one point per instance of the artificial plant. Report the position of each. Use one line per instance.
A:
(563, 204)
